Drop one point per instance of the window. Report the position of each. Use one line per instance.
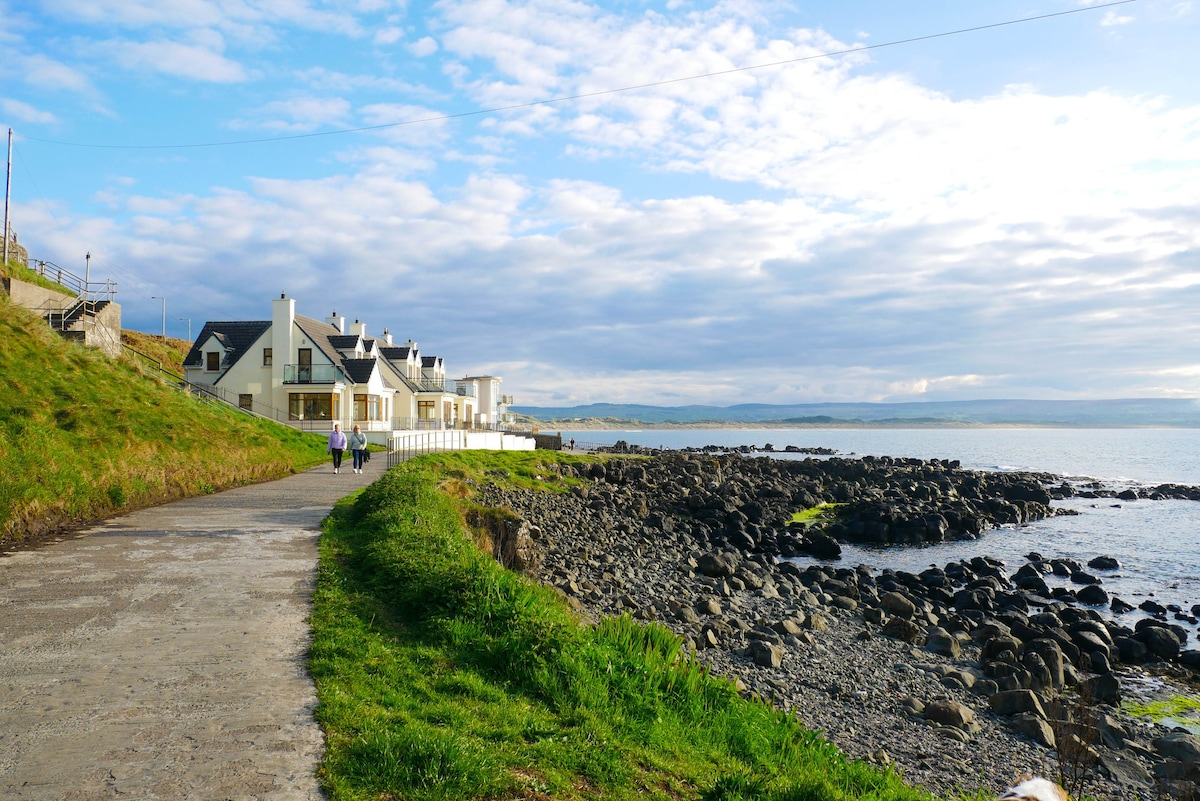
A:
(246, 401)
(426, 410)
(367, 407)
(267, 357)
(304, 374)
(312, 406)
(212, 361)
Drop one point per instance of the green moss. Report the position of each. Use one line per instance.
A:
(816, 514)
(1182, 709)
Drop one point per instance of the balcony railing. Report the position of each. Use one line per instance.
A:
(311, 374)
(429, 385)
(464, 389)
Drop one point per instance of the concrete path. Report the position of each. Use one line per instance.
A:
(161, 655)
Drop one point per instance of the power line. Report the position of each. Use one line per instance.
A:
(586, 95)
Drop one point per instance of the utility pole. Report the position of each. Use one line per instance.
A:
(164, 315)
(7, 193)
(189, 322)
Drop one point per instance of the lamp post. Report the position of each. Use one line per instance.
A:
(189, 322)
(164, 315)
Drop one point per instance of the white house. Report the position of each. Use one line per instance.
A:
(312, 373)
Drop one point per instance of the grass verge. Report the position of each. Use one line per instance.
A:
(83, 436)
(442, 676)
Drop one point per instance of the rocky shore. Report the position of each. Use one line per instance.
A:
(961, 677)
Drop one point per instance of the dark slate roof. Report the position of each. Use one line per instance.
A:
(394, 353)
(344, 341)
(236, 336)
(430, 361)
(359, 370)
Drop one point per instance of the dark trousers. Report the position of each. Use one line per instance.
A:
(337, 457)
(358, 459)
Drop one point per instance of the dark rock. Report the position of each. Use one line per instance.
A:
(951, 713)
(1092, 595)
(1013, 702)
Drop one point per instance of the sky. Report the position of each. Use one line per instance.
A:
(639, 202)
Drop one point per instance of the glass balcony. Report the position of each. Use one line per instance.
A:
(311, 374)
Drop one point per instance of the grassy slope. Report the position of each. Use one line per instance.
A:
(442, 676)
(170, 354)
(82, 436)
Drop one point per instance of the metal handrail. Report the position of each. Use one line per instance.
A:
(231, 398)
(80, 287)
(156, 365)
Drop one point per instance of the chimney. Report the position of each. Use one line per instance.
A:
(283, 322)
(358, 328)
(337, 322)
(387, 336)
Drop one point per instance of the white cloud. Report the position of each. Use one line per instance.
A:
(25, 112)
(47, 73)
(242, 17)
(199, 62)
(390, 35)
(299, 114)
(425, 46)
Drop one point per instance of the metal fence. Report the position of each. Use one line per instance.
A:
(84, 289)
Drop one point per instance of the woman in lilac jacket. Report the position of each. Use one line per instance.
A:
(337, 444)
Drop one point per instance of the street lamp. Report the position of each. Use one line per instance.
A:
(164, 315)
(189, 322)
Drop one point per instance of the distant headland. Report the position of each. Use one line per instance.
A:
(1118, 413)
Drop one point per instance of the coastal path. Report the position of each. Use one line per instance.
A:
(161, 654)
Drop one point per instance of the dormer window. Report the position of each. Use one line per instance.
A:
(212, 361)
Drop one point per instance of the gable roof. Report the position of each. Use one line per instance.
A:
(344, 341)
(359, 370)
(320, 334)
(395, 353)
(235, 336)
(430, 361)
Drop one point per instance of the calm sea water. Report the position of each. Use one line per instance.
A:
(1156, 542)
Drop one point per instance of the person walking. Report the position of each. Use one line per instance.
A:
(358, 448)
(336, 446)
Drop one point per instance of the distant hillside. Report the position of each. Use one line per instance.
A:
(1165, 412)
(82, 436)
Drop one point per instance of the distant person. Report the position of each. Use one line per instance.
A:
(571, 445)
(337, 444)
(358, 448)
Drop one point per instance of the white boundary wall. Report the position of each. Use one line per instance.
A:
(406, 444)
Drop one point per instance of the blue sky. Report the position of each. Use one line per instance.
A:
(1009, 212)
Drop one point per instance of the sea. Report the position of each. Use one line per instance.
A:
(1156, 543)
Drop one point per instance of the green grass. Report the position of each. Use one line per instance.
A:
(170, 354)
(442, 676)
(23, 273)
(82, 436)
(815, 514)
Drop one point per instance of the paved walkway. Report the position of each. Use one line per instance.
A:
(161, 655)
